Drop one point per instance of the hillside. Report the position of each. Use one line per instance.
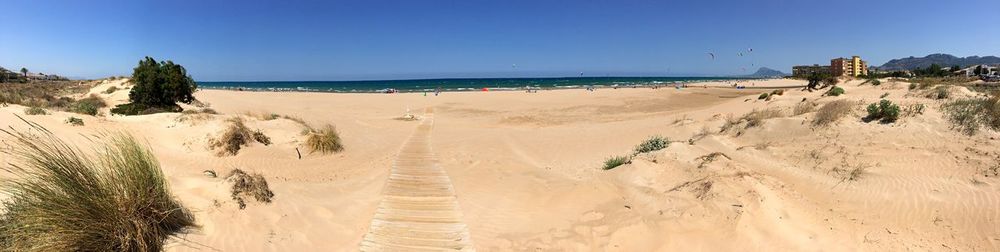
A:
(767, 72)
(938, 58)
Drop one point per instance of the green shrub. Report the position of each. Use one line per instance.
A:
(913, 86)
(654, 143)
(35, 111)
(64, 200)
(835, 91)
(158, 85)
(325, 140)
(876, 82)
(74, 121)
(778, 92)
(616, 161)
(88, 106)
(139, 109)
(968, 115)
(111, 89)
(762, 96)
(884, 111)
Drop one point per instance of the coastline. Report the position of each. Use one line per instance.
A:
(526, 84)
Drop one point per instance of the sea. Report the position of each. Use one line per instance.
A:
(471, 84)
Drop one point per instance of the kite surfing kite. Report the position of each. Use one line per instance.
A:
(712, 54)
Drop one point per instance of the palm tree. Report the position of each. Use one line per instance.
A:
(25, 72)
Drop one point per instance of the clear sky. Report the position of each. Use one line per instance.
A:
(347, 40)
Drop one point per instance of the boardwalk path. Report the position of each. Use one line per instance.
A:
(418, 210)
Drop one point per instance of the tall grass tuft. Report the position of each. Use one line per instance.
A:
(970, 114)
(64, 200)
(616, 161)
(325, 140)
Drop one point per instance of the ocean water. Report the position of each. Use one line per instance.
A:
(420, 85)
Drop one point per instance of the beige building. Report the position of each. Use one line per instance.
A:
(848, 67)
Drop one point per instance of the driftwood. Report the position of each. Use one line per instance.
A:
(297, 151)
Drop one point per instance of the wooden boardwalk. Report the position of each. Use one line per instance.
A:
(418, 211)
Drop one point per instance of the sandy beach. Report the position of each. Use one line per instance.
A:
(525, 170)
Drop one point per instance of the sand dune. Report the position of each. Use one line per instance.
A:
(524, 169)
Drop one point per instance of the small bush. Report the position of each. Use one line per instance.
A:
(74, 121)
(64, 200)
(762, 96)
(778, 92)
(969, 115)
(111, 89)
(832, 112)
(246, 186)
(654, 143)
(876, 82)
(325, 140)
(913, 86)
(35, 111)
(835, 91)
(616, 161)
(89, 105)
(884, 111)
(884, 95)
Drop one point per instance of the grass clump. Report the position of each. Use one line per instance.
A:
(832, 111)
(74, 121)
(835, 91)
(778, 92)
(616, 161)
(971, 114)
(325, 140)
(35, 111)
(64, 200)
(654, 143)
(247, 186)
(237, 136)
(763, 96)
(111, 89)
(757, 117)
(884, 111)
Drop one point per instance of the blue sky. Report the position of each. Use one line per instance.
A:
(348, 40)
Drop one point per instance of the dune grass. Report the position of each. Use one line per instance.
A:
(74, 121)
(88, 106)
(970, 114)
(325, 140)
(832, 112)
(64, 200)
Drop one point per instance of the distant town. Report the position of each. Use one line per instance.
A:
(856, 67)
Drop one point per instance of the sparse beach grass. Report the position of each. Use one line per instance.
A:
(832, 112)
(325, 140)
(64, 200)
(248, 186)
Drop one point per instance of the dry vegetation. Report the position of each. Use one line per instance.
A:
(237, 136)
(325, 140)
(832, 111)
(753, 119)
(803, 108)
(247, 186)
(64, 200)
(970, 114)
(709, 158)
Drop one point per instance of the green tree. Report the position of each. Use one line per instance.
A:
(978, 71)
(24, 71)
(161, 84)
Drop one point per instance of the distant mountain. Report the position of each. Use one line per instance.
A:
(944, 60)
(767, 72)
